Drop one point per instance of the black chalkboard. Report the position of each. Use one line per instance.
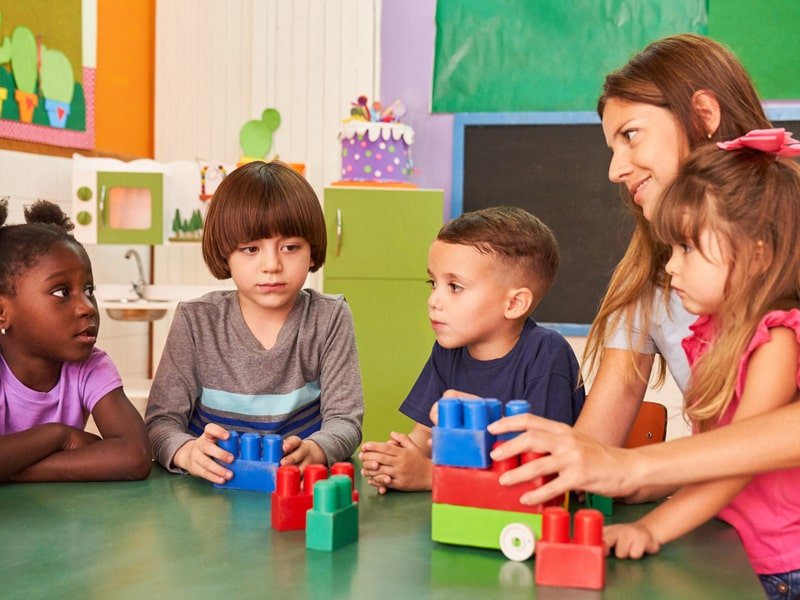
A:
(560, 174)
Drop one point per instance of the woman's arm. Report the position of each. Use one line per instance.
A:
(771, 383)
(615, 396)
(765, 442)
(123, 453)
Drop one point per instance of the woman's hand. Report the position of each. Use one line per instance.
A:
(579, 462)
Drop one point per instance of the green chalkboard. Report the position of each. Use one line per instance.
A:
(533, 55)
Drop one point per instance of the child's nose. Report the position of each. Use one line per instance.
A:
(433, 299)
(270, 261)
(86, 306)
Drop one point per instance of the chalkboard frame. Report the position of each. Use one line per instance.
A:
(776, 111)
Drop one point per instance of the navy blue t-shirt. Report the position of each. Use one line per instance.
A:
(541, 368)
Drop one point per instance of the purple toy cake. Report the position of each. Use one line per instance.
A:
(375, 146)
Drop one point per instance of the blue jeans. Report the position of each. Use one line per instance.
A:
(782, 586)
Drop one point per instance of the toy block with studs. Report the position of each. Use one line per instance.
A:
(481, 488)
(290, 503)
(579, 562)
(255, 462)
(460, 438)
(332, 521)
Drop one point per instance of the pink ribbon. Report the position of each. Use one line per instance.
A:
(774, 141)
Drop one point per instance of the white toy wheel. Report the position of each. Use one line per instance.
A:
(517, 541)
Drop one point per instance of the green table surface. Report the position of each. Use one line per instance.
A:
(174, 536)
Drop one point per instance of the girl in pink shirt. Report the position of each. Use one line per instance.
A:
(51, 375)
(732, 217)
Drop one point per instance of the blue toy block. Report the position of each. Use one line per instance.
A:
(461, 439)
(256, 459)
(514, 407)
(333, 520)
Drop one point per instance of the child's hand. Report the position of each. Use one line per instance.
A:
(373, 457)
(302, 452)
(197, 456)
(403, 465)
(75, 439)
(631, 540)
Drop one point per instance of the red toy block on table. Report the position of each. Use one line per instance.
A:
(576, 563)
(480, 488)
(290, 503)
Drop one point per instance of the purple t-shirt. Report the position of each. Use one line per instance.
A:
(79, 388)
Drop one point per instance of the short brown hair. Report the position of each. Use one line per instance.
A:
(515, 236)
(261, 200)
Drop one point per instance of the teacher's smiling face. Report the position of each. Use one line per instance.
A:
(647, 144)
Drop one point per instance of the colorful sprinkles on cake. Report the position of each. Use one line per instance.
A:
(375, 145)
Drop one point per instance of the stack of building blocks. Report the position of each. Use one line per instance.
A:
(290, 503)
(470, 507)
(255, 461)
(332, 522)
(578, 562)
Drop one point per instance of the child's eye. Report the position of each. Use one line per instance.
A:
(455, 288)
(61, 292)
(248, 249)
(291, 247)
(431, 283)
(89, 291)
(629, 134)
(686, 248)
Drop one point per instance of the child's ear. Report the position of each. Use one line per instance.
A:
(706, 106)
(520, 301)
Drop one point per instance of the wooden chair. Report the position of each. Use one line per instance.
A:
(650, 426)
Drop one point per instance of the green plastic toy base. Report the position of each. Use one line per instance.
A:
(479, 527)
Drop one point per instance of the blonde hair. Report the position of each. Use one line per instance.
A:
(751, 201)
(667, 74)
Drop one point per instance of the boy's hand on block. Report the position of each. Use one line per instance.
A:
(630, 540)
(302, 452)
(197, 457)
(434, 413)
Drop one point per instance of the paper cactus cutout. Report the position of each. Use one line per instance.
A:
(23, 59)
(255, 137)
(56, 75)
(5, 48)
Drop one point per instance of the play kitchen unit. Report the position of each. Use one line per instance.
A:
(142, 201)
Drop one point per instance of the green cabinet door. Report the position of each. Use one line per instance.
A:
(378, 240)
(380, 233)
(394, 340)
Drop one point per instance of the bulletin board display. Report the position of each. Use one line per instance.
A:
(520, 56)
(558, 172)
(47, 71)
(763, 35)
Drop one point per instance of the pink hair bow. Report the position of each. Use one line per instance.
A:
(774, 141)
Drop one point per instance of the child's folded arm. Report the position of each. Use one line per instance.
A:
(123, 453)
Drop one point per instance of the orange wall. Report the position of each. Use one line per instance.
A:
(125, 77)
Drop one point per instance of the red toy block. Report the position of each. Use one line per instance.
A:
(479, 488)
(290, 504)
(576, 563)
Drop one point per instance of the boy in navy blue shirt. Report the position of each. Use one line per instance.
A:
(488, 270)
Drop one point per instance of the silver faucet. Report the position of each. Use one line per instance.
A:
(138, 286)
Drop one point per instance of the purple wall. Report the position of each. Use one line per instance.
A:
(408, 31)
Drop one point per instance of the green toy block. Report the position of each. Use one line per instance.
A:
(602, 503)
(480, 527)
(333, 520)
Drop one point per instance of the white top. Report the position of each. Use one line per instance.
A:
(662, 335)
